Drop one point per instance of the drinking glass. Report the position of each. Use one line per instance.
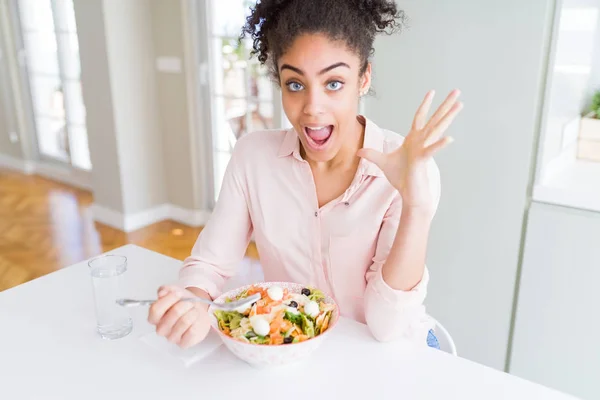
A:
(112, 320)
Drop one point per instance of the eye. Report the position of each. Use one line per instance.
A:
(294, 86)
(335, 85)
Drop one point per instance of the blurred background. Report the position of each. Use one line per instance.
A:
(118, 118)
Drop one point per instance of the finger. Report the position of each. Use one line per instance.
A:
(194, 335)
(374, 156)
(444, 108)
(421, 114)
(171, 317)
(182, 325)
(437, 146)
(163, 291)
(438, 130)
(161, 306)
(166, 289)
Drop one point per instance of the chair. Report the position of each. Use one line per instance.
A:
(444, 338)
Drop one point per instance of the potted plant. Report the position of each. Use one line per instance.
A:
(589, 132)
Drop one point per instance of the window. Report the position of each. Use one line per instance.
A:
(568, 167)
(52, 56)
(243, 98)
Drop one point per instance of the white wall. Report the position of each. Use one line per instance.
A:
(556, 332)
(123, 114)
(135, 103)
(495, 52)
(172, 90)
(98, 99)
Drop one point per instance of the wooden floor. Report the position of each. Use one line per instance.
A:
(45, 226)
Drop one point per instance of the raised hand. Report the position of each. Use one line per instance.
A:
(406, 167)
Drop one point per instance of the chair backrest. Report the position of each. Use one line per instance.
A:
(444, 338)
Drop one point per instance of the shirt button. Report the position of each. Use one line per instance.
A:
(316, 213)
(347, 203)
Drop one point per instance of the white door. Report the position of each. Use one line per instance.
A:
(51, 58)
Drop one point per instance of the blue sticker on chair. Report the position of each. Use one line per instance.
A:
(432, 340)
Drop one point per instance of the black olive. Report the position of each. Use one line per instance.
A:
(293, 304)
(288, 340)
(306, 292)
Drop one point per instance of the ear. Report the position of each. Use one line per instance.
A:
(365, 80)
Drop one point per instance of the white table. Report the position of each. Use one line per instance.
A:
(49, 350)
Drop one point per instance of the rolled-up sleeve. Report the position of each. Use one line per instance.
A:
(390, 313)
(222, 243)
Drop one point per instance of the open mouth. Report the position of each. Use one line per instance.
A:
(318, 136)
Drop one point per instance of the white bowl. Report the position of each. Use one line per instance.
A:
(261, 356)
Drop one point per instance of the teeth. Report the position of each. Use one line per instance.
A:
(315, 128)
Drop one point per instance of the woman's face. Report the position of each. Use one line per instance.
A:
(320, 86)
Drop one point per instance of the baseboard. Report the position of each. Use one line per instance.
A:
(188, 217)
(135, 221)
(16, 164)
(108, 217)
(72, 177)
(141, 219)
(69, 176)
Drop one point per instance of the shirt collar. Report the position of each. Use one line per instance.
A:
(290, 146)
(374, 139)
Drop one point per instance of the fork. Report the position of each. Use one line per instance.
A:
(222, 306)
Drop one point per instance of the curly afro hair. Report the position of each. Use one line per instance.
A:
(274, 24)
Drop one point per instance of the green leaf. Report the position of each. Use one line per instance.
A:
(294, 318)
(316, 295)
(308, 327)
(230, 319)
(260, 340)
(595, 108)
(235, 321)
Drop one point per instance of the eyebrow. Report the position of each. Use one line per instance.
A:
(324, 70)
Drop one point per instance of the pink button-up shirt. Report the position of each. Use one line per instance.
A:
(268, 190)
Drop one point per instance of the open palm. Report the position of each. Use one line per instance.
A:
(406, 167)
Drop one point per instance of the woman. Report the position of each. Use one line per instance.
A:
(335, 202)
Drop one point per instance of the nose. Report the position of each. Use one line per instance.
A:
(314, 102)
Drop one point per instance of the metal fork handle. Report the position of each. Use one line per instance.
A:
(223, 306)
(131, 302)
